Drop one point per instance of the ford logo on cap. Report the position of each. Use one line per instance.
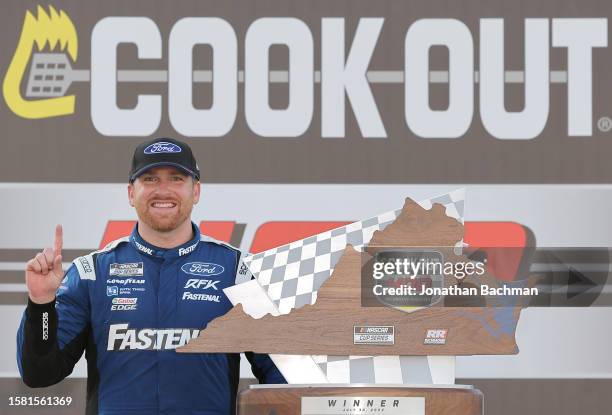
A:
(162, 147)
(203, 269)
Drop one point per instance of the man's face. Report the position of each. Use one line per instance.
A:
(164, 197)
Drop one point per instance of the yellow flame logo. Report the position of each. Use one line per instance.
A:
(50, 29)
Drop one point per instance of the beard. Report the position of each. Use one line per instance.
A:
(164, 221)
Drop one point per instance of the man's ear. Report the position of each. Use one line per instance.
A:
(196, 192)
(130, 190)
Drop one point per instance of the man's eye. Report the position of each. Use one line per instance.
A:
(178, 178)
(148, 179)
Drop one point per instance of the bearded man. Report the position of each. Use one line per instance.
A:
(130, 304)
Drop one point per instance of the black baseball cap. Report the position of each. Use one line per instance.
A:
(163, 152)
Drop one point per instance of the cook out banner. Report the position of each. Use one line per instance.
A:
(310, 92)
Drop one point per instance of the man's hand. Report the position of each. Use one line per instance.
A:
(44, 272)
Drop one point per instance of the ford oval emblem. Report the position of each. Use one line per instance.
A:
(202, 269)
(162, 147)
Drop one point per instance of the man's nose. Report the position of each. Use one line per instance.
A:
(163, 186)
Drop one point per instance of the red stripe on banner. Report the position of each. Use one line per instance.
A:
(504, 244)
(500, 234)
(221, 230)
(116, 229)
(273, 234)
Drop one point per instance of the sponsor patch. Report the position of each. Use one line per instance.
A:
(201, 284)
(85, 265)
(124, 304)
(130, 290)
(124, 300)
(142, 248)
(203, 269)
(132, 269)
(436, 336)
(378, 335)
(112, 290)
(121, 337)
(45, 325)
(189, 249)
(125, 281)
(201, 297)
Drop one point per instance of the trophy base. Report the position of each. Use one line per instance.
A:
(360, 399)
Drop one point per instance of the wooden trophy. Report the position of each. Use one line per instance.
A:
(344, 347)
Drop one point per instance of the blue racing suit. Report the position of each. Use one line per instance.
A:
(128, 306)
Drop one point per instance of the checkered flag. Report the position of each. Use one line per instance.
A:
(291, 274)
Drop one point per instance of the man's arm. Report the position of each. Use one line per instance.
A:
(54, 330)
(53, 336)
(264, 368)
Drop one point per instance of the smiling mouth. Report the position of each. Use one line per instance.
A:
(164, 205)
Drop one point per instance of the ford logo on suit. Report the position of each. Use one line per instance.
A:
(204, 269)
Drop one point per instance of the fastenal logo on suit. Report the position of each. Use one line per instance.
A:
(342, 72)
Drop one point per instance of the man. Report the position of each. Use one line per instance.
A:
(129, 305)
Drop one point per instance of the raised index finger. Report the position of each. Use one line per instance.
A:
(59, 240)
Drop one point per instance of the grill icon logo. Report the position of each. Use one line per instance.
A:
(48, 42)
